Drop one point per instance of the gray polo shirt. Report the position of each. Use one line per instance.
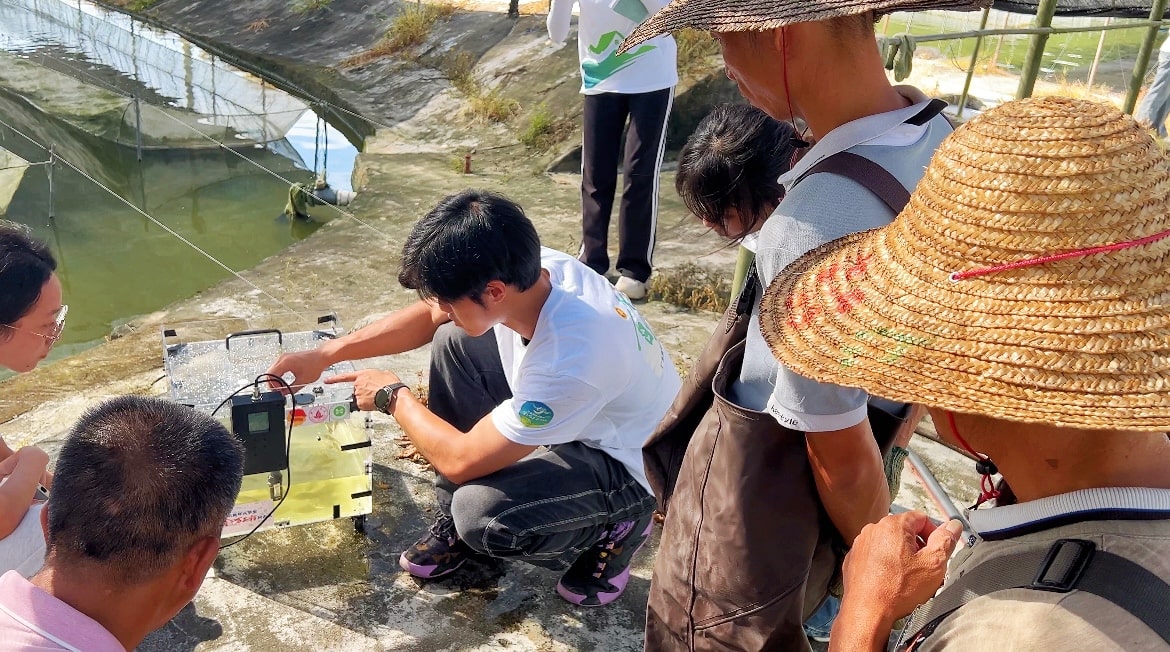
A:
(824, 207)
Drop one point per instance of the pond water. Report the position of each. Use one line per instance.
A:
(69, 73)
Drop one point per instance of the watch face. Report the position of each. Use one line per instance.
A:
(381, 399)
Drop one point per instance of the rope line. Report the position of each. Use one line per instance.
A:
(54, 157)
(225, 147)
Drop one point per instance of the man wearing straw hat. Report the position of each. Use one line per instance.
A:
(745, 516)
(1022, 296)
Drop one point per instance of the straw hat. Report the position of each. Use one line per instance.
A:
(760, 15)
(1028, 278)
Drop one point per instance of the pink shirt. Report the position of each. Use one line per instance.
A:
(32, 620)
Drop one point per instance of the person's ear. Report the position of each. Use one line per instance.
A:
(45, 521)
(195, 563)
(495, 291)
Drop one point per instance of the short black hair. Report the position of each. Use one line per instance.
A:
(468, 240)
(139, 479)
(734, 159)
(25, 266)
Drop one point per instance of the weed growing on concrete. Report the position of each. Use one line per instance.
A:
(544, 129)
(696, 50)
(691, 286)
(410, 28)
(457, 65)
(134, 5)
(309, 6)
(492, 106)
(257, 26)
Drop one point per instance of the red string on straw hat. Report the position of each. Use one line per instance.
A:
(1040, 260)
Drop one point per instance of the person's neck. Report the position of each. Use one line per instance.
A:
(1040, 461)
(524, 308)
(841, 84)
(124, 613)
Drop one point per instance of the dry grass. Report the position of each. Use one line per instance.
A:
(458, 65)
(410, 29)
(257, 26)
(133, 5)
(697, 53)
(535, 8)
(492, 106)
(544, 129)
(692, 286)
(309, 6)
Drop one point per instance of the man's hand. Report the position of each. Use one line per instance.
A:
(366, 383)
(36, 458)
(895, 565)
(306, 367)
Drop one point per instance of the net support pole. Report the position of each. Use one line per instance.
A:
(971, 66)
(138, 127)
(1143, 57)
(1035, 56)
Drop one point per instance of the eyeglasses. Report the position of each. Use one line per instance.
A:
(54, 334)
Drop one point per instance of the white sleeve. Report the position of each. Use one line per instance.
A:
(558, 19)
(547, 409)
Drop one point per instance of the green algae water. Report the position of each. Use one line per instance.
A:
(70, 73)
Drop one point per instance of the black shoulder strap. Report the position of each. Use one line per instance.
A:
(872, 176)
(1067, 565)
(865, 172)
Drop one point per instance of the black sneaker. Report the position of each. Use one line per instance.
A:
(439, 552)
(600, 574)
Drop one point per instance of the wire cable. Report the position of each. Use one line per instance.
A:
(227, 148)
(287, 449)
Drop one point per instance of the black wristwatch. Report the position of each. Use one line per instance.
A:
(384, 399)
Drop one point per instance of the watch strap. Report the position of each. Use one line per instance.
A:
(390, 390)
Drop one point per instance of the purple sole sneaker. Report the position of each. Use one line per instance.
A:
(429, 571)
(602, 572)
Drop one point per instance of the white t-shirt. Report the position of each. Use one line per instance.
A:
(601, 28)
(593, 372)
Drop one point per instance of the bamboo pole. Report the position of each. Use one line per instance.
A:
(1143, 57)
(971, 67)
(1035, 57)
(1097, 58)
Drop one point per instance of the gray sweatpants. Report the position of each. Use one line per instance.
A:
(545, 509)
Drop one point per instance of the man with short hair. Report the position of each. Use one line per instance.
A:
(142, 490)
(544, 383)
(740, 549)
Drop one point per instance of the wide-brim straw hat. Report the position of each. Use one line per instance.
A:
(760, 15)
(1028, 279)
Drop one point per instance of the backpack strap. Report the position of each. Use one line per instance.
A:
(1067, 565)
(870, 175)
(865, 172)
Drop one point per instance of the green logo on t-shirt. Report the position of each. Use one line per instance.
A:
(535, 414)
(595, 72)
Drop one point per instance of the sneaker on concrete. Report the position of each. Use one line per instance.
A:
(632, 288)
(600, 574)
(439, 552)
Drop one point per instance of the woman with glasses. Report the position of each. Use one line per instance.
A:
(31, 319)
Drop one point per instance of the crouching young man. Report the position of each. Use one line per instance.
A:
(544, 382)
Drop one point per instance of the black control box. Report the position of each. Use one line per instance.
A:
(258, 422)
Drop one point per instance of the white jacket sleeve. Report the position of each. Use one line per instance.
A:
(559, 16)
